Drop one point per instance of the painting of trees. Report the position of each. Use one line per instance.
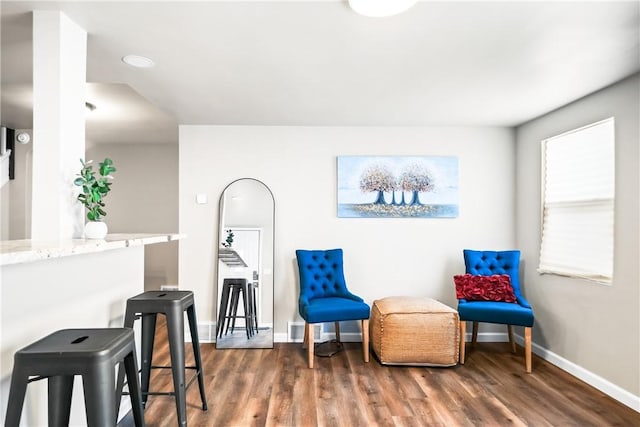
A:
(416, 179)
(397, 187)
(379, 178)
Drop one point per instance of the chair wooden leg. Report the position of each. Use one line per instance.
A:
(527, 349)
(337, 327)
(305, 337)
(309, 332)
(365, 340)
(463, 332)
(474, 334)
(511, 340)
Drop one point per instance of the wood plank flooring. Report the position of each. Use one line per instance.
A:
(274, 387)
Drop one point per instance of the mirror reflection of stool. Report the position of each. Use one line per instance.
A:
(253, 291)
(91, 353)
(251, 318)
(234, 289)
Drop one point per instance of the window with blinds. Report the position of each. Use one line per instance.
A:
(578, 194)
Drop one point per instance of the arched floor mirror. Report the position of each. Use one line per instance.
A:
(245, 266)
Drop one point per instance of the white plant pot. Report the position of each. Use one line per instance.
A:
(95, 230)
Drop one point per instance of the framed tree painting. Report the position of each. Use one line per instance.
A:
(397, 187)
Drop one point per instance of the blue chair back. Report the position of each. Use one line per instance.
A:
(487, 263)
(321, 274)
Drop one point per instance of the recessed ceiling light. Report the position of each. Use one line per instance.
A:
(138, 61)
(380, 8)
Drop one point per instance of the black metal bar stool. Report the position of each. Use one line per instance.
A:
(92, 353)
(233, 288)
(172, 304)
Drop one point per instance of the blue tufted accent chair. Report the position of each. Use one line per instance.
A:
(487, 263)
(324, 296)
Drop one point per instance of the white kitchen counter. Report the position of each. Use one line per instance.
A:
(75, 283)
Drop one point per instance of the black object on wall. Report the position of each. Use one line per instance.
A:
(11, 145)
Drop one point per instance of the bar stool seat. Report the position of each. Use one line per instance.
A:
(91, 353)
(173, 304)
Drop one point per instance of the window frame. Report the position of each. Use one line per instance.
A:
(553, 270)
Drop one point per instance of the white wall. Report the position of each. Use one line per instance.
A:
(594, 326)
(16, 195)
(383, 257)
(144, 199)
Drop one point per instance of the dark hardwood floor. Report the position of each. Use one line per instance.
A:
(274, 387)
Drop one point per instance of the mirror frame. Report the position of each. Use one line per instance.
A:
(220, 235)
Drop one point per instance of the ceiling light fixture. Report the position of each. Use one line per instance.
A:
(380, 8)
(138, 61)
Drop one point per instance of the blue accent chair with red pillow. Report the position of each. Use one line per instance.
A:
(520, 313)
(324, 296)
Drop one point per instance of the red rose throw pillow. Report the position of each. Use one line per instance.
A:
(484, 288)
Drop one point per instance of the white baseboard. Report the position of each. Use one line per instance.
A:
(488, 337)
(344, 337)
(594, 380)
(295, 333)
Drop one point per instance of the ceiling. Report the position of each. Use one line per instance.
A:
(317, 63)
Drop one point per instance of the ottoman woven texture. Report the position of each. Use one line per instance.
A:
(414, 331)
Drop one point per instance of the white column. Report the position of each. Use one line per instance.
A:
(59, 86)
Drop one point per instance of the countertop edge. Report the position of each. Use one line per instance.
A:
(25, 251)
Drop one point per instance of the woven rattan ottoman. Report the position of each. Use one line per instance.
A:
(414, 331)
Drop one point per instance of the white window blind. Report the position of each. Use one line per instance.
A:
(578, 202)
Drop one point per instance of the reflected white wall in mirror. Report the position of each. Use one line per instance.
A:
(245, 266)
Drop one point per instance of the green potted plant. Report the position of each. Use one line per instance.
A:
(95, 186)
(229, 241)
